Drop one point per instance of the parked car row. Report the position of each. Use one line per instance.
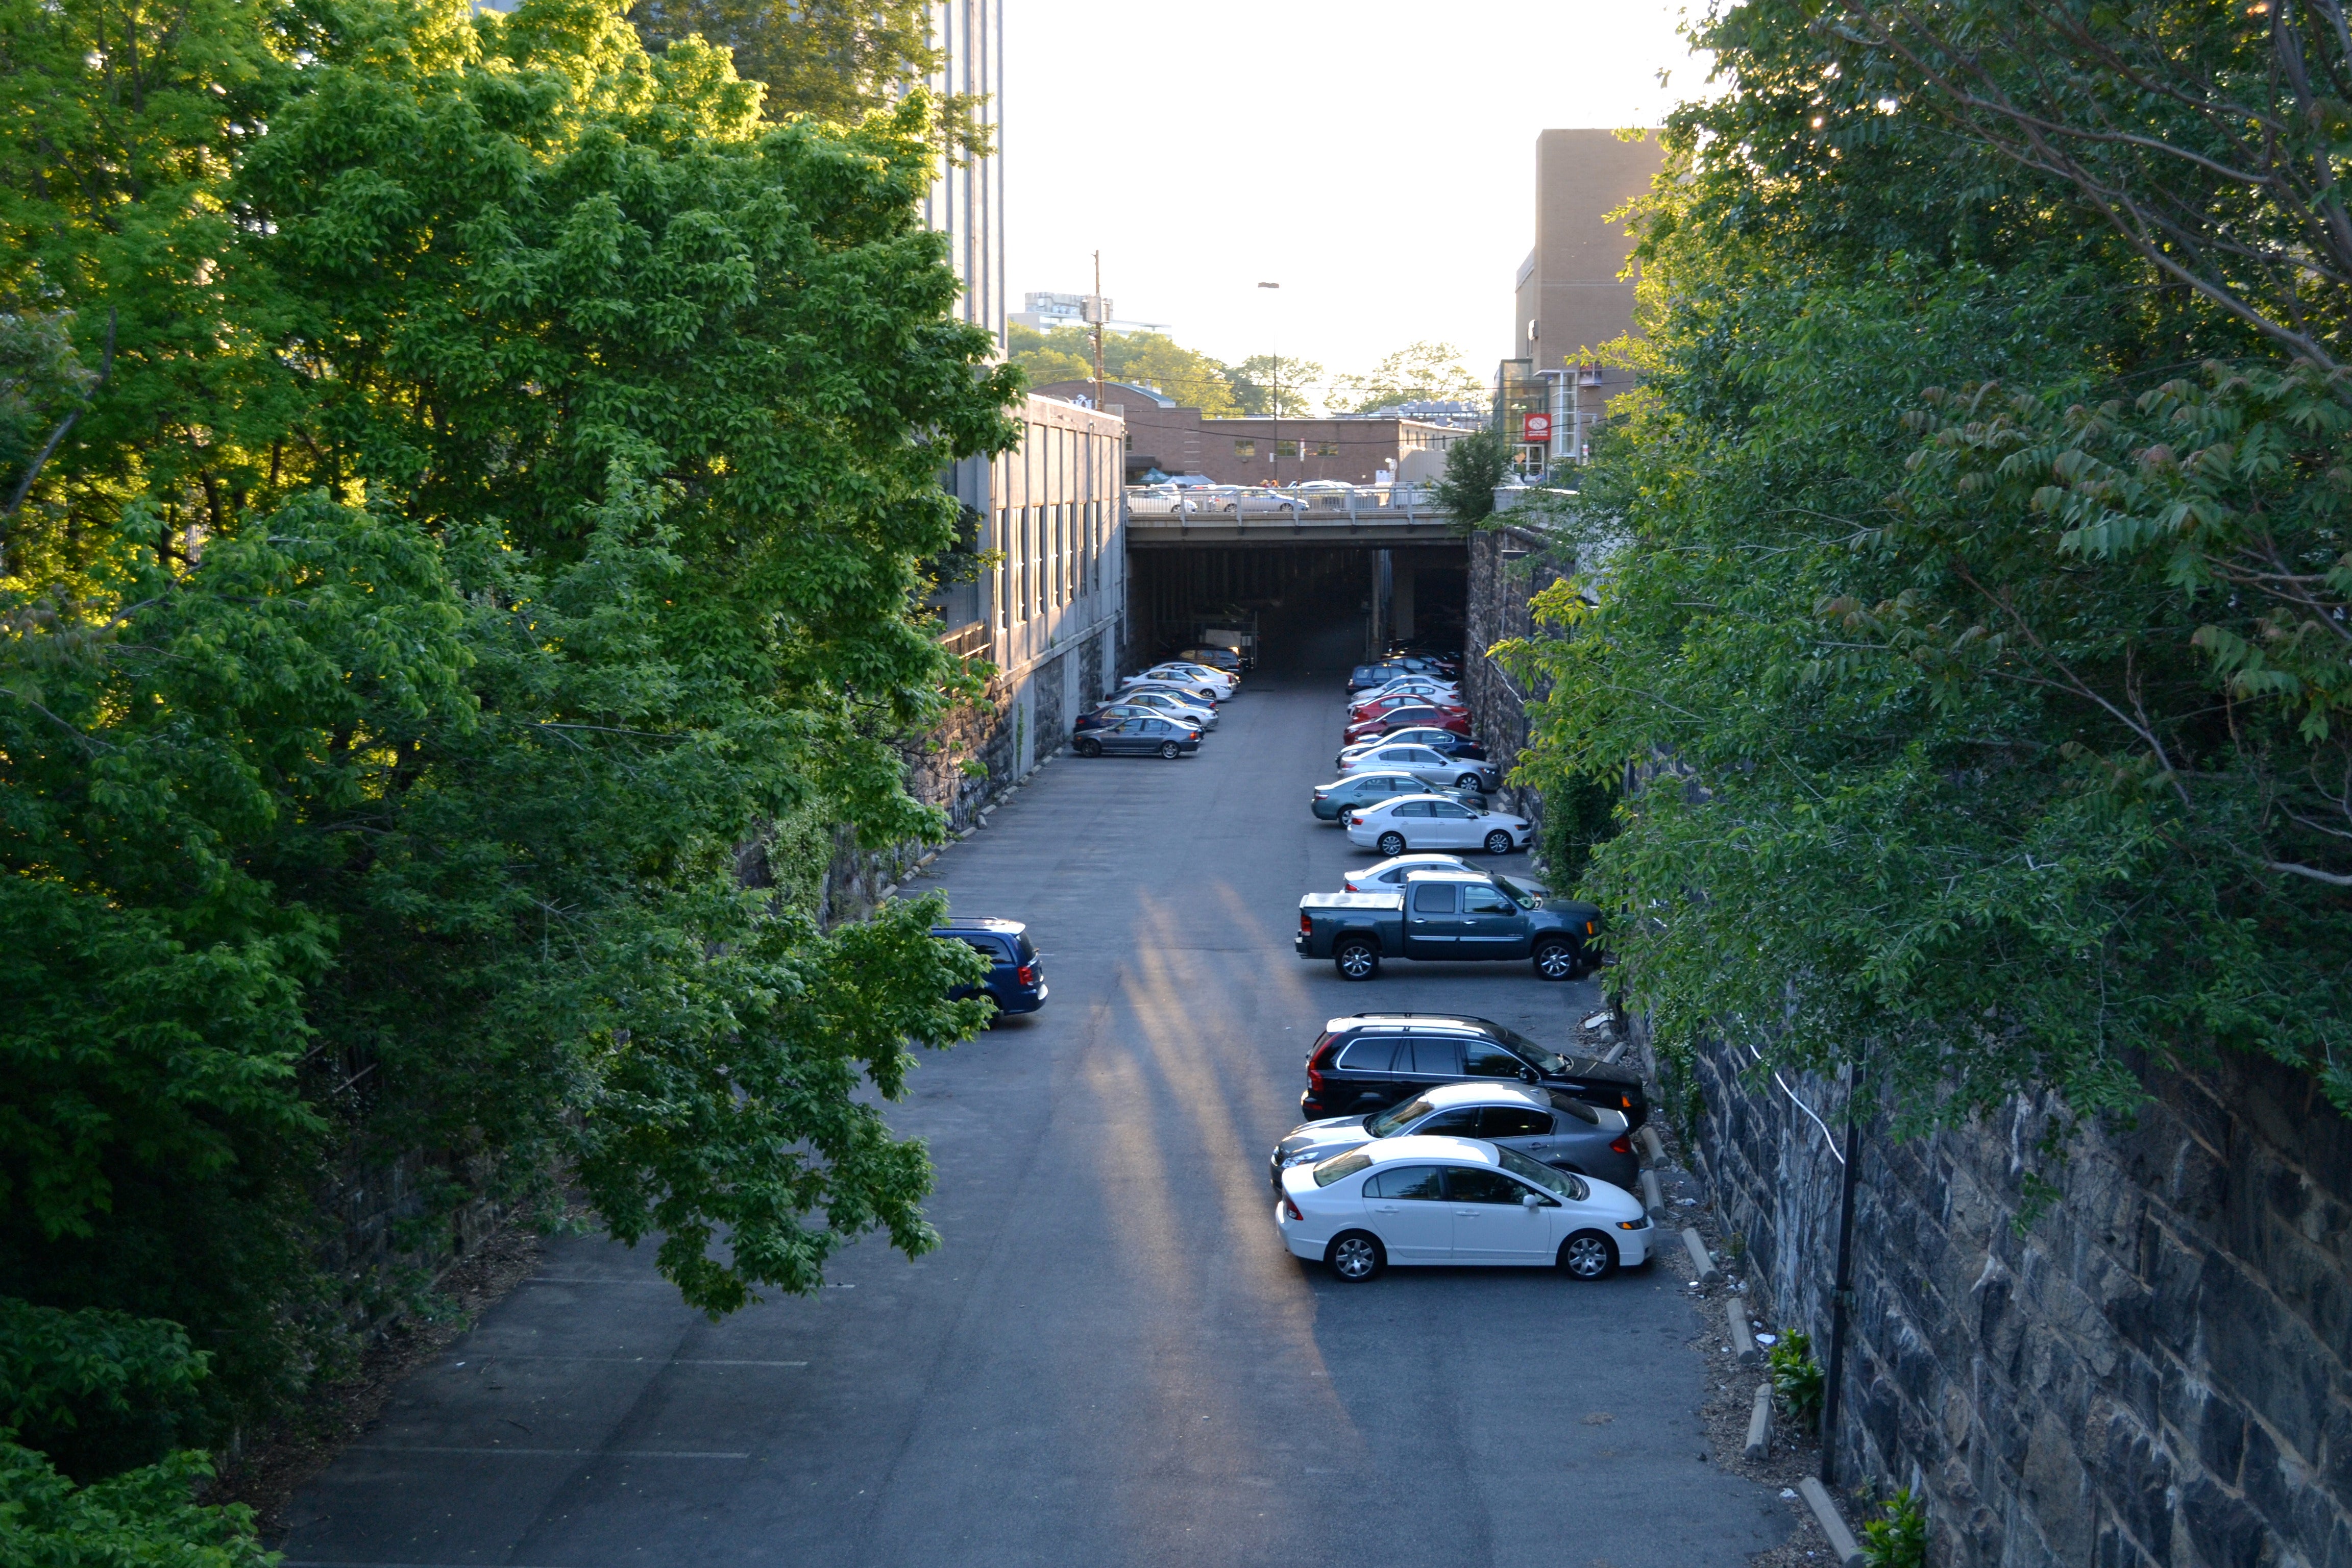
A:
(1437, 1138)
(1411, 777)
(1163, 712)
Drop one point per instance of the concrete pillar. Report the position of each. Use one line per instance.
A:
(1401, 597)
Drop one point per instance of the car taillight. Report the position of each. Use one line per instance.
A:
(1355, 822)
(1306, 923)
(1027, 975)
(1315, 1079)
(1291, 1208)
(1621, 1144)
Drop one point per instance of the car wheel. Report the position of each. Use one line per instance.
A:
(1467, 781)
(1171, 749)
(1498, 842)
(1356, 959)
(1555, 961)
(1087, 746)
(1357, 1257)
(1588, 1255)
(1391, 844)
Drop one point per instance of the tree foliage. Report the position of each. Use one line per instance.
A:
(1969, 591)
(1474, 465)
(1145, 359)
(1419, 371)
(837, 61)
(495, 506)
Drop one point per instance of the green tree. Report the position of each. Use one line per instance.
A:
(837, 61)
(1147, 359)
(1984, 666)
(1417, 372)
(406, 667)
(1267, 385)
(1474, 465)
(145, 1518)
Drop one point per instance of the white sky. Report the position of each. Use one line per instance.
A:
(1375, 158)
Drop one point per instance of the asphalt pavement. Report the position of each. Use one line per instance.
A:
(1111, 1359)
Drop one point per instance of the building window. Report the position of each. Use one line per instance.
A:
(1327, 448)
(1000, 541)
(1244, 449)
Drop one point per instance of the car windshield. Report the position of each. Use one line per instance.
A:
(1546, 1060)
(1526, 895)
(1389, 1122)
(1559, 1183)
(1340, 1169)
(1570, 1105)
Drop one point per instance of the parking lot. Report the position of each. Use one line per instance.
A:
(1110, 1360)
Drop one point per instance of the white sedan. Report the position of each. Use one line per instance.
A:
(1388, 876)
(1410, 686)
(1216, 680)
(1434, 822)
(1424, 1200)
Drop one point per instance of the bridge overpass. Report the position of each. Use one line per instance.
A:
(1359, 518)
(1332, 574)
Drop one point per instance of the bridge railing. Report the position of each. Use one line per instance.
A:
(1150, 505)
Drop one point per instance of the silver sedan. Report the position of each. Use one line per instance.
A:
(1553, 1128)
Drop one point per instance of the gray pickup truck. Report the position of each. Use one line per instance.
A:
(1448, 916)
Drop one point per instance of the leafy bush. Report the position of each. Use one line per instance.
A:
(98, 1391)
(1474, 467)
(1898, 1538)
(145, 1518)
(1796, 1378)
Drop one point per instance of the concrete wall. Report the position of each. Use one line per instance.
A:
(2154, 1370)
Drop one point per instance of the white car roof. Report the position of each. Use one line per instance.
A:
(1426, 1146)
(1396, 800)
(1493, 1091)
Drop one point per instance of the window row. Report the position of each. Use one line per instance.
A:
(1052, 553)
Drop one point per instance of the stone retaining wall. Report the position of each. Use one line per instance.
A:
(2155, 1372)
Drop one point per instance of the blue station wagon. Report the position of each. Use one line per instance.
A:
(1016, 980)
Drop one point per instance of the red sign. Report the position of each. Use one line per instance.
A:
(1539, 430)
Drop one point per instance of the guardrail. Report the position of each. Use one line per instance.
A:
(1384, 504)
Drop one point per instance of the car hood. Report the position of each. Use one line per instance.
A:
(1333, 1135)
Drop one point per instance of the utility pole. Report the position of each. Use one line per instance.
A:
(1098, 313)
(1274, 444)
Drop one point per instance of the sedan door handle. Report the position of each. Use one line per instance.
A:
(1384, 1208)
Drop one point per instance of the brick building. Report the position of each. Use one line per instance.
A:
(1355, 448)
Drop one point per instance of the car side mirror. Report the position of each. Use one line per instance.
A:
(1529, 1200)
(1526, 1074)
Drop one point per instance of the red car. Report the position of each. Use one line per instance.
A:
(1381, 705)
(1416, 717)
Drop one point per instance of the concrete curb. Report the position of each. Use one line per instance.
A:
(1759, 1423)
(1652, 1197)
(1652, 1146)
(1701, 1263)
(1743, 1335)
(1825, 1514)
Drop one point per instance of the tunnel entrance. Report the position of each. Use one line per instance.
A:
(1319, 607)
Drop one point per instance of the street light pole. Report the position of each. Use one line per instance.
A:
(1098, 313)
(1274, 444)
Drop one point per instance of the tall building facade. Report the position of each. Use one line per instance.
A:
(966, 200)
(1570, 295)
(1050, 611)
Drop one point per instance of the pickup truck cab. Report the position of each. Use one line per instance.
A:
(1449, 917)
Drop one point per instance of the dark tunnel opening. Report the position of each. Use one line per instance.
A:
(1317, 608)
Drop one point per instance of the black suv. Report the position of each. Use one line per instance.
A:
(1373, 1060)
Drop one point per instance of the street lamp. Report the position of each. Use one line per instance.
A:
(1274, 444)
